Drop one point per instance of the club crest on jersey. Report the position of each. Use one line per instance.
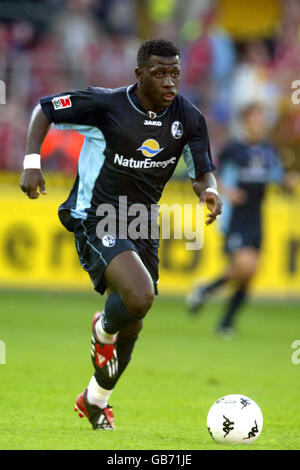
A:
(108, 241)
(62, 102)
(150, 148)
(177, 129)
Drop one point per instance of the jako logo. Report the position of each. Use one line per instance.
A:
(150, 148)
(149, 122)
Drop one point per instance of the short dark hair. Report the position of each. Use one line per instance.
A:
(159, 47)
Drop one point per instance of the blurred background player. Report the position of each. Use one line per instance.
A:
(246, 166)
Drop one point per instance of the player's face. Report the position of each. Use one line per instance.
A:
(159, 81)
(255, 124)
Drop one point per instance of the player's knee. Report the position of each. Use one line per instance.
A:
(138, 303)
(246, 273)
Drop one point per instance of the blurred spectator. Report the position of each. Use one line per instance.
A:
(252, 81)
(112, 63)
(286, 70)
(287, 49)
(76, 29)
(208, 65)
(66, 44)
(121, 17)
(12, 136)
(22, 36)
(209, 58)
(3, 50)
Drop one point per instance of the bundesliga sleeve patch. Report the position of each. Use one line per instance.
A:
(62, 102)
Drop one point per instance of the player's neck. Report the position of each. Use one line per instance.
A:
(145, 103)
(253, 140)
(254, 137)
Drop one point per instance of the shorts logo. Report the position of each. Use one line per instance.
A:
(62, 102)
(234, 241)
(150, 148)
(177, 129)
(108, 241)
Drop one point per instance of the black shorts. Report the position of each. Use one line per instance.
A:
(95, 253)
(242, 238)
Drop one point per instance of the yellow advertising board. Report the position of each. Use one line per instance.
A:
(249, 19)
(37, 252)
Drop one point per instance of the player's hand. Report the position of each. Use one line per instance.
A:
(214, 205)
(32, 180)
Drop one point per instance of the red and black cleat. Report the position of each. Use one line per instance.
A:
(104, 358)
(100, 418)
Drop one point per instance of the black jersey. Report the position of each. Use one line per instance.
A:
(126, 152)
(250, 168)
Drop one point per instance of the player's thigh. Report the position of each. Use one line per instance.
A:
(127, 275)
(244, 263)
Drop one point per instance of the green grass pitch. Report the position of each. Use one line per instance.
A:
(179, 369)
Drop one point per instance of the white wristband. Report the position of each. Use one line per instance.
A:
(32, 161)
(212, 190)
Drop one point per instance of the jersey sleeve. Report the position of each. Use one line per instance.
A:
(276, 171)
(196, 153)
(75, 107)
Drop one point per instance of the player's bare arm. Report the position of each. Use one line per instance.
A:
(32, 177)
(206, 188)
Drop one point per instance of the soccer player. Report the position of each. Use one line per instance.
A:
(246, 167)
(134, 137)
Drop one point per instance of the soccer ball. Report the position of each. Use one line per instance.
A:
(235, 419)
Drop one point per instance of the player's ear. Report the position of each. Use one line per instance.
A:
(139, 75)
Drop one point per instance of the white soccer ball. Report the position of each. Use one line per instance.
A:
(235, 419)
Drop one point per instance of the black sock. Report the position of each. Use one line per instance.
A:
(115, 316)
(124, 350)
(233, 306)
(214, 285)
